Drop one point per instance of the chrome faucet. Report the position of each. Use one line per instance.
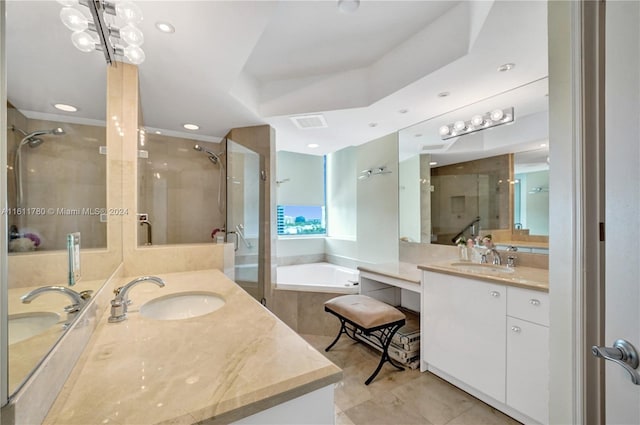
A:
(511, 259)
(496, 256)
(148, 223)
(120, 303)
(78, 299)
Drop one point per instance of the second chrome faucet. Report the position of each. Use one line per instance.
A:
(121, 302)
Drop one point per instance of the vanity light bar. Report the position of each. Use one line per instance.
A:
(478, 122)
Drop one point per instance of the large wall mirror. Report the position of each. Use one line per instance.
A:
(493, 180)
(57, 168)
(181, 189)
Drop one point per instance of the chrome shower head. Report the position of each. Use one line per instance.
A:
(31, 138)
(213, 157)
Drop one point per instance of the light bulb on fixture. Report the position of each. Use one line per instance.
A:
(83, 41)
(135, 54)
(459, 125)
(497, 115)
(73, 19)
(91, 32)
(477, 120)
(129, 12)
(131, 35)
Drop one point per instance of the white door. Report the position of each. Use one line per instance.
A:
(622, 198)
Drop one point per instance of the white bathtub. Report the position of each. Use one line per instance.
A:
(318, 277)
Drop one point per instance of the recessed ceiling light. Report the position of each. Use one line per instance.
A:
(444, 94)
(543, 145)
(158, 132)
(165, 27)
(433, 163)
(313, 145)
(506, 67)
(65, 107)
(403, 111)
(373, 124)
(191, 127)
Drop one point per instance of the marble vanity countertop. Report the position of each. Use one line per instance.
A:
(522, 277)
(219, 367)
(400, 270)
(25, 354)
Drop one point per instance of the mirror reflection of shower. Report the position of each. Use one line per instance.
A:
(215, 159)
(33, 141)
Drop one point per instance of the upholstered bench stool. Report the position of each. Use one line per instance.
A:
(368, 316)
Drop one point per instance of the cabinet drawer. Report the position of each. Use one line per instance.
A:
(528, 305)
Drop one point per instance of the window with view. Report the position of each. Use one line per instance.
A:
(301, 220)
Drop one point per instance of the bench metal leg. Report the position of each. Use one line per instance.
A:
(343, 330)
(385, 338)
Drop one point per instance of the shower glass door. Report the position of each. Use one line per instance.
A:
(243, 215)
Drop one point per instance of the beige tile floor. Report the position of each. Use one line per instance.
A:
(398, 397)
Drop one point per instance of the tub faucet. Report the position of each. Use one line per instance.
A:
(121, 302)
(78, 299)
(240, 232)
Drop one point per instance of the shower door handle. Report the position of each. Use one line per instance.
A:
(235, 239)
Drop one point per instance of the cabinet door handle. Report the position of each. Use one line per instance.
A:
(516, 329)
(535, 302)
(494, 294)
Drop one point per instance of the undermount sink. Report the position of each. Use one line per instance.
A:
(183, 305)
(482, 268)
(25, 325)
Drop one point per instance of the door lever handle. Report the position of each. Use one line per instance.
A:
(622, 353)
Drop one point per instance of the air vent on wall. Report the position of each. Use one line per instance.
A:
(305, 122)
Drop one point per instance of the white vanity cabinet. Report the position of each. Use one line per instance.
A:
(464, 331)
(490, 339)
(528, 352)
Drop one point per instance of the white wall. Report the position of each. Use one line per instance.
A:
(409, 199)
(363, 213)
(305, 174)
(377, 197)
(300, 246)
(342, 204)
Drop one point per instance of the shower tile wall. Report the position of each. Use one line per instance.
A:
(61, 177)
(178, 187)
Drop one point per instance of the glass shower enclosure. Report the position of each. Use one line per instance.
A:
(245, 176)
